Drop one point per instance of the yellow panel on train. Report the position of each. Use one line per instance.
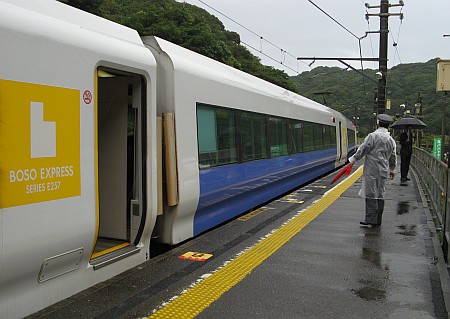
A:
(39, 143)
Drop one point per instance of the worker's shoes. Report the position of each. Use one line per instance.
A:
(368, 225)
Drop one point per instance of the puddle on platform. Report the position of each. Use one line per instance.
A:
(407, 230)
(371, 294)
(402, 208)
(373, 256)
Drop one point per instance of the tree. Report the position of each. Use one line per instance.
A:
(91, 6)
(188, 26)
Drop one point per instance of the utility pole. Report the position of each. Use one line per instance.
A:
(379, 92)
(383, 49)
(384, 15)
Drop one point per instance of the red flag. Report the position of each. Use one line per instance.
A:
(345, 171)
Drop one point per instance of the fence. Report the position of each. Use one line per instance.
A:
(433, 175)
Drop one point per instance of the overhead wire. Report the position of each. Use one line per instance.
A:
(370, 34)
(395, 43)
(346, 29)
(268, 56)
(284, 53)
(328, 15)
(262, 39)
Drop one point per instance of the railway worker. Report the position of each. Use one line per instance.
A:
(380, 161)
(405, 154)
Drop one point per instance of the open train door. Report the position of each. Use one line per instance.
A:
(120, 165)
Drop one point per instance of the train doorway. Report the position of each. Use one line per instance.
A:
(120, 164)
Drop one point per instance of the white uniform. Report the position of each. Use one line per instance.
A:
(380, 159)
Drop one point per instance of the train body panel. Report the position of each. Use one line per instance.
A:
(48, 129)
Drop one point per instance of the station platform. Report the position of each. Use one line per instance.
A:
(302, 256)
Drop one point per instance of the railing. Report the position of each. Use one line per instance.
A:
(433, 175)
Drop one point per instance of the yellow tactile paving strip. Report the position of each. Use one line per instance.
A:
(196, 299)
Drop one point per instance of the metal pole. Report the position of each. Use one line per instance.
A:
(384, 16)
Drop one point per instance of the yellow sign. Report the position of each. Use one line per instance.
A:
(39, 143)
(195, 256)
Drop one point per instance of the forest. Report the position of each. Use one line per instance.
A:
(339, 88)
(352, 94)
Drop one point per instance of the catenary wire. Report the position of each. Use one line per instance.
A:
(328, 15)
(283, 52)
(268, 56)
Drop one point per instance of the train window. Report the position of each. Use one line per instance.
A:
(277, 136)
(351, 137)
(308, 136)
(216, 136)
(295, 136)
(318, 136)
(333, 136)
(327, 138)
(253, 136)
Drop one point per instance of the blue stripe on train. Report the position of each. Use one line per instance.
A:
(230, 190)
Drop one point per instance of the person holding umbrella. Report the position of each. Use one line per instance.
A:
(406, 150)
(378, 149)
(407, 124)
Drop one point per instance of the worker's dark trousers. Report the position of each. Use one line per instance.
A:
(404, 164)
(374, 210)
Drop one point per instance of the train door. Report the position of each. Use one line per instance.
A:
(120, 165)
(342, 147)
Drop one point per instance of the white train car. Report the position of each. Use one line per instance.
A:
(77, 138)
(194, 89)
(81, 171)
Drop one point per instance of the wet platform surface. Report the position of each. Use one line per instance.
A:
(289, 265)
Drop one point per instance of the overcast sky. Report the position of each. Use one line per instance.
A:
(297, 28)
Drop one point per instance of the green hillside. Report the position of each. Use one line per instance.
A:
(345, 91)
(350, 93)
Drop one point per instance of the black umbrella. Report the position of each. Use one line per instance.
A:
(409, 122)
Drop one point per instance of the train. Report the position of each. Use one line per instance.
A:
(110, 140)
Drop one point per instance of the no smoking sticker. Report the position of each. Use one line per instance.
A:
(87, 97)
(195, 256)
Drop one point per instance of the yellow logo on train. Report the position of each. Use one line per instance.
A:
(39, 143)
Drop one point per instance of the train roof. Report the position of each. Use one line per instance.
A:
(192, 62)
(67, 14)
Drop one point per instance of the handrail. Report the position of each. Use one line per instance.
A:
(433, 176)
